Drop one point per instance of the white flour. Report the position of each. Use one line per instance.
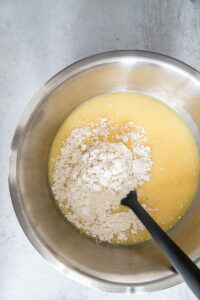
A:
(98, 167)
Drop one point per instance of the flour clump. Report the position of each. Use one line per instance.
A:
(99, 164)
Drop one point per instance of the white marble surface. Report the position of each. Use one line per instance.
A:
(39, 38)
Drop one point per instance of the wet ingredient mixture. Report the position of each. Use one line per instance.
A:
(116, 143)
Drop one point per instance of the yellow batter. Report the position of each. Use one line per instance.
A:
(175, 172)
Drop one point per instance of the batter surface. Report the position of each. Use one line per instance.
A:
(174, 174)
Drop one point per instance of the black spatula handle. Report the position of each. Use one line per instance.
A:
(181, 262)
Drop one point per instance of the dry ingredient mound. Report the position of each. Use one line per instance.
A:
(98, 165)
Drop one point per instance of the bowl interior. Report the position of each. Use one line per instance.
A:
(169, 81)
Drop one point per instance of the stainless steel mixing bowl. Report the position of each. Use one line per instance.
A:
(131, 269)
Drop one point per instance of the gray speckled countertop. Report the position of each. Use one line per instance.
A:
(38, 39)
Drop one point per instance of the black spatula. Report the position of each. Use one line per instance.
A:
(180, 261)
